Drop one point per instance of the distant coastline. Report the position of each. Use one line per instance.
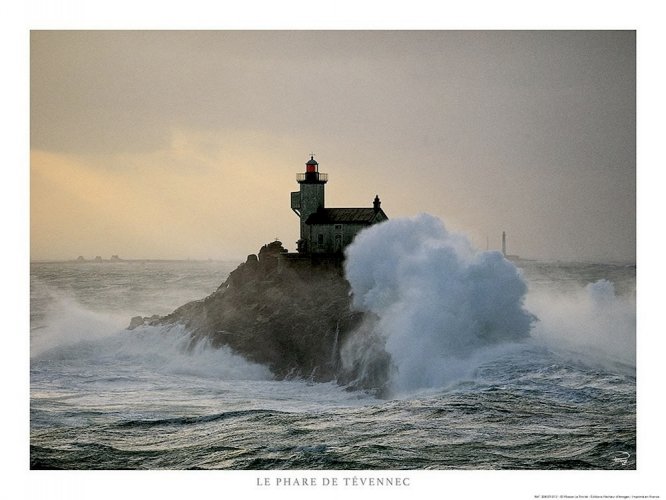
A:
(129, 261)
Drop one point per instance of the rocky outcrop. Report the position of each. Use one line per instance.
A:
(292, 319)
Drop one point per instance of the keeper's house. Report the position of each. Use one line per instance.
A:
(327, 230)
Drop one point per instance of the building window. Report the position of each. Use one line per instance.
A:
(338, 242)
(320, 239)
(338, 227)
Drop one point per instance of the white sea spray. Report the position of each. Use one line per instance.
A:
(441, 304)
(73, 331)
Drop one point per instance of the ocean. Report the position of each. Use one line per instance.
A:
(104, 397)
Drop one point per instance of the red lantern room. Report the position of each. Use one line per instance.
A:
(311, 166)
(311, 174)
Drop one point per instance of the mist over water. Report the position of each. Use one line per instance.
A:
(73, 332)
(66, 322)
(84, 317)
(592, 322)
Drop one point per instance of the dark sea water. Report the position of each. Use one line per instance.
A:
(102, 397)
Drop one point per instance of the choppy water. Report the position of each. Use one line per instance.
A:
(106, 398)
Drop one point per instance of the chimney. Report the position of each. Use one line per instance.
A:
(376, 203)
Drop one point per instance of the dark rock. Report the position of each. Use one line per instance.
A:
(135, 322)
(138, 321)
(294, 320)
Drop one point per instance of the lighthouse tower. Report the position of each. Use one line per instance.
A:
(309, 199)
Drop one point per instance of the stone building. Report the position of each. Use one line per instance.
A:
(327, 230)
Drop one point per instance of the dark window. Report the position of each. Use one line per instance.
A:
(338, 227)
(320, 239)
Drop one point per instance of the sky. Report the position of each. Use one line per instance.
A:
(185, 144)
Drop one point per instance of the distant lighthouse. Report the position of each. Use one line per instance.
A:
(504, 243)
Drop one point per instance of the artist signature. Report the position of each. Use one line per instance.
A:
(621, 457)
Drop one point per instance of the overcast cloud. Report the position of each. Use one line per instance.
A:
(197, 137)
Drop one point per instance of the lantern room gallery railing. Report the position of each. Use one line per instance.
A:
(311, 176)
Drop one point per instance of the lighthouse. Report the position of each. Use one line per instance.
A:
(327, 230)
(310, 198)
